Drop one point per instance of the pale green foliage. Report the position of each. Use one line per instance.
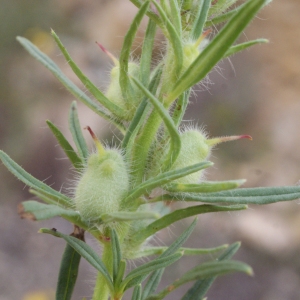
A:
(121, 195)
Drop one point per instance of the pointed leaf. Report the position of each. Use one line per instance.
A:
(50, 65)
(201, 18)
(75, 129)
(164, 178)
(180, 214)
(34, 183)
(240, 47)
(175, 144)
(204, 187)
(85, 251)
(126, 49)
(215, 51)
(113, 108)
(68, 149)
(200, 287)
(68, 269)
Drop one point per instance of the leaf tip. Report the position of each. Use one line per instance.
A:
(25, 214)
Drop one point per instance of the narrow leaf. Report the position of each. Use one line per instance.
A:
(220, 6)
(147, 268)
(126, 49)
(164, 178)
(152, 283)
(240, 47)
(180, 214)
(243, 196)
(75, 129)
(204, 187)
(180, 107)
(117, 255)
(69, 269)
(175, 16)
(34, 183)
(173, 37)
(54, 69)
(128, 216)
(216, 49)
(113, 108)
(200, 287)
(175, 144)
(137, 293)
(85, 251)
(67, 274)
(68, 149)
(200, 19)
(37, 211)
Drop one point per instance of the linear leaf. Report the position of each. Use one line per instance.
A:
(180, 107)
(75, 129)
(216, 49)
(68, 149)
(186, 251)
(85, 251)
(204, 187)
(37, 211)
(200, 19)
(220, 7)
(205, 270)
(137, 293)
(71, 87)
(117, 255)
(175, 16)
(69, 269)
(152, 283)
(128, 216)
(201, 286)
(34, 183)
(173, 37)
(164, 178)
(175, 144)
(126, 50)
(240, 47)
(147, 268)
(244, 196)
(180, 214)
(113, 108)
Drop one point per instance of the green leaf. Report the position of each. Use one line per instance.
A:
(120, 275)
(137, 293)
(164, 178)
(78, 93)
(220, 6)
(126, 50)
(175, 16)
(243, 196)
(200, 287)
(137, 275)
(113, 108)
(216, 49)
(180, 214)
(173, 37)
(152, 283)
(86, 252)
(180, 107)
(75, 129)
(141, 112)
(128, 216)
(67, 274)
(205, 270)
(175, 144)
(200, 19)
(240, 47)
(186, 251)
(117, 255)
(146, 56)
(204, 187)
(68, 149)
(39, 211)
(34, 183)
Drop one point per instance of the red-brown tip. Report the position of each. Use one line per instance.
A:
(91, 132)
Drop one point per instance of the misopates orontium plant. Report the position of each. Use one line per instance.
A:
(121, 193)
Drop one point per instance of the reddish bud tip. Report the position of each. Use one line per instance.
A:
(215, 141)
(115, 61)
(99, 146)
(91, 133)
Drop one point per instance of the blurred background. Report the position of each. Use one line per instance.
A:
(256, 92)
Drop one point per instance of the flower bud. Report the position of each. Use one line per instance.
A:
(103, 185)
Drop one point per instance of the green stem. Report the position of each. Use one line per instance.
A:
(101, 291)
